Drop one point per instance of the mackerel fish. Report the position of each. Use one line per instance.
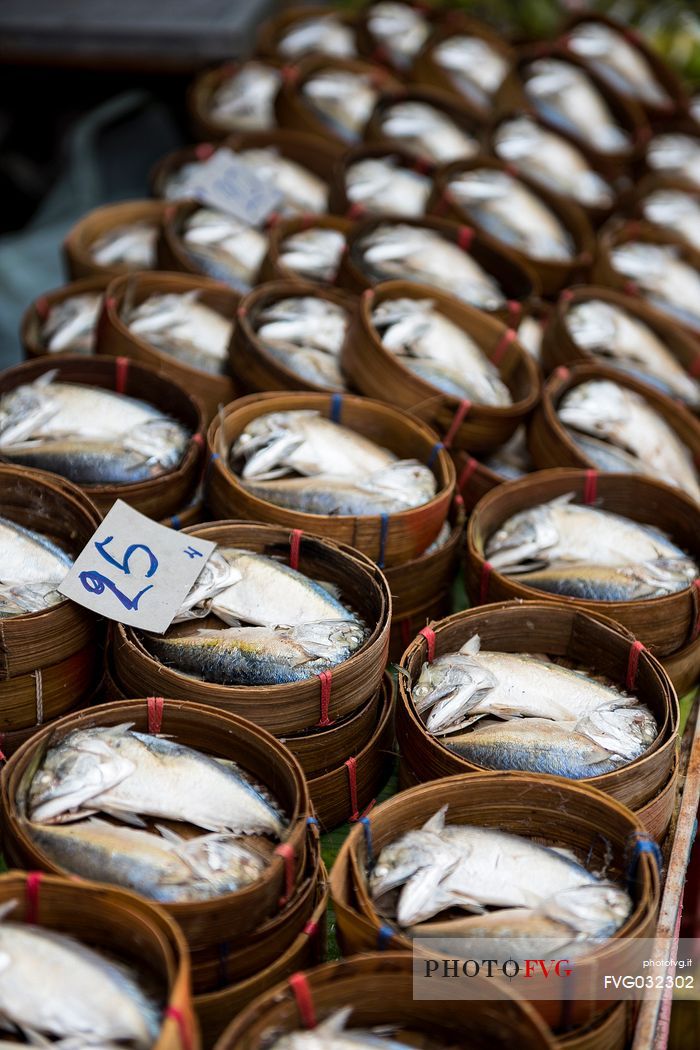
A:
(332, 1033)
(343, 99)
(89, 435)
(431, 346)
(426, 132)
(418, 253)
(676, 211)
(624, 67)
(399, 29)
(321, 34)
(511, 460)
(70, 325)
(476, 69)
(624, 419)
(163, 867)
(306, 334)
(673, 153)
(506, 209)
(132, 245)
(223, 247)
(31, 568)
(124, 774)
(56, 986)
(625, 342)
(245, 101)
(183, 328)
(665, 279)
(384, 184)
(314, 254)
(441, 866)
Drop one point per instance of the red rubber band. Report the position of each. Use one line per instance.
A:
(466, 473)
(380, 54)
(465, 238)
(429, 635)
(515, 310)
(155, 713)
(41, 305)
(590, 487)
(289, 74)
(198, 439)
(31, 890)
(694, 369)
(121, 368)
(355, 211)
(242, 311)
(486, 570)
(633, 665)
(176, 1015)
(294, 545)
(304, 999)
(311, 929)
(286, 852)
(562, 372)
(459, 417)
(508, 337)
(351, 766)
(630, 288)
(325, 678)
(566, 296)
(204, 150)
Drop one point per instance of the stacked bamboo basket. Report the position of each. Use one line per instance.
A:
(229, 968)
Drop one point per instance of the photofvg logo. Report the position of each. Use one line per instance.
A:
(567, 968)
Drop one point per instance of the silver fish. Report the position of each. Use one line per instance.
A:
(132, 245)
(444, 866)
(399, 29)
(259, 590)
(440, 540)
(332, 1034)
(90, 435)
(306, 334)
(427, 132)
(245, 101)
(259, 655)
(314, 253)
(31, 567)
(675, 154)
(53, 984)
(627, 583)
(512, 213)
(383, 184)
(625, 342)
(625, 419)
(415, 253)
(183, 328)
(122, 773)
(224, 248)
(343, 99)
(530, 335)
(434, 348)
(512, 460)
(676, 211)
(623, 66)
(164, 867)
(69, 326)
(564, 95)
(476, 69)
(321, 34)
(458, 688)
(552, 161)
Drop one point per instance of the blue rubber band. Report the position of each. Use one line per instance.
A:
(336, 407)
(384, 527)
(434, 453)
(214, 455)
(175, 521)
(312, 822)
(383, 937)
(367, 828)
(638, 844)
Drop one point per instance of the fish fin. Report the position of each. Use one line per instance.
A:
(568, 854)
(170, 835)
(332, 588)
(472, 647)
(125, 816)
(335, 1023)
(6, 908)
(437, 822)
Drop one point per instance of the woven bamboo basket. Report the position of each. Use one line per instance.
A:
(633, 202)
(272, 268)
(117, 340)
(317, 750)
(193, 514)
(158, 496)
(662, 624)
(77, 245)
(553, 275)
(370, 46)
(254, 368)
(275, 28)
(297, 706)
(627, 114)
(421, 589)
(387, 540)
(377, 372)
(216, 733)
(558, 348)
(348, 790)
(662, 70)
(201, 93)
(34, 316)
(596, 643)
(379, 988)
(474, 478)
(461, 113)
(13, 739)
(550, 443)
(28, 700)
(123, 926)
(214, 1010)
(317, 157)
(428, 72)
(617, 232)
(171, 250)
(600, 831)
(339, 201)
(518, 281)
(683, 667)
(295, 113)
(60, 511)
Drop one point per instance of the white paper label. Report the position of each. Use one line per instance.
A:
(136, 571)
(227, 183)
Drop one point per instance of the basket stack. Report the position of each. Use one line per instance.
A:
(77, 247)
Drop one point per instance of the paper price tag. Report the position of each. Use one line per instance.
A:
(136, 571)
(227, 183)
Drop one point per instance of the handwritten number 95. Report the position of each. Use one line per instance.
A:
(94, 582)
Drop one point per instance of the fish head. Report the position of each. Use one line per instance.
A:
(74, 773)
(423, 895)
(594, 909)
(525, 537)
(401, 860)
